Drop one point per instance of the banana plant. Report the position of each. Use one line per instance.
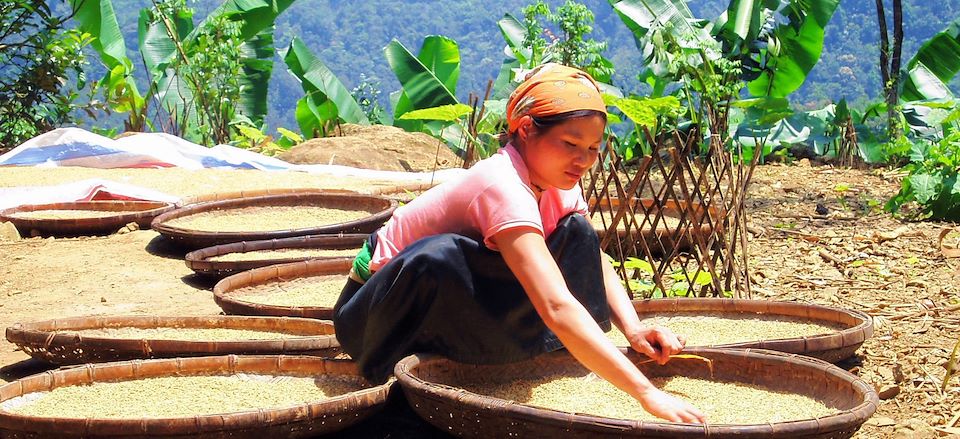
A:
(327, 100)
(933, 66)
(257, 23)
(428, 79)
(98, 19)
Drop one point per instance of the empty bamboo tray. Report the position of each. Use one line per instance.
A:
(83, 217)
(434, 386)
(190, 226)
(668, 232)
(111, 338)
(320, 415)
(230, 291)
(844, 330)
(216, 262)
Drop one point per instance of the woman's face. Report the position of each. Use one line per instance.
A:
(560, 155)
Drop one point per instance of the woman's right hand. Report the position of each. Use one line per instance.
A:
(671, 408)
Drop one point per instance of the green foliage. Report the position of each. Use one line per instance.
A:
(933, 66)
(367, 95)
(445, 113)
(120, 93)
(37, 60)
(572, 47)
(213, 72)
(256, 140)
(327, 101)
(933, 183)
(643, 271)
(428, 79)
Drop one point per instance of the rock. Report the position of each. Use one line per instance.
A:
(914, 429)
(9, 232)
(881, 421)
(103, 300)
(130, 227)
(888, 391)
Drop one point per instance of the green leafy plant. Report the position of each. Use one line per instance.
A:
(327, 101)
(367, 95)
(932, 182)
(249, 137)
(201, 77)
(38, 61)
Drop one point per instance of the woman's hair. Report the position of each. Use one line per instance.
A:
(545, 123)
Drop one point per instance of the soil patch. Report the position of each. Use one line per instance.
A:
(379, 147)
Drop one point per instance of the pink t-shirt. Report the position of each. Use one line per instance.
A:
(492, 196)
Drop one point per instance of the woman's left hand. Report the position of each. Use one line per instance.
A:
(657, 342)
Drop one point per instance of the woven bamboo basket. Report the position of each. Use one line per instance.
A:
(122, 213)
(231, 303)
(857, 327)
(305, 420)
(56, 342)
(200, 261)
(379, 208)
(666, 234)
(430, 384)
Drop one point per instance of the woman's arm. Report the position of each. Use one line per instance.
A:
(526, 253)
(657, 342)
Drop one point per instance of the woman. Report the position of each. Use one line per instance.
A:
(500, 265)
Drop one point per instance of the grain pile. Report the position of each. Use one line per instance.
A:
(715, 329)
(283, 253)
(602, 221)
(265, 218)
(314, 291)
(723, 402)
(184, 334)
(61, 214)
(179, 396)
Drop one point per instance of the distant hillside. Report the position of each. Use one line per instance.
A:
(349, 37)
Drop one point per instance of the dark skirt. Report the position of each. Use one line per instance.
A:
(450, 295)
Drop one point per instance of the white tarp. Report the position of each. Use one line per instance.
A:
(78, 147)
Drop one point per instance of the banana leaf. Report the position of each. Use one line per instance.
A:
(444, 113)
(156, 46)
(513, 33)
(97, 18)
(641, 16)
(327, 98)
(257, 18)
(742, 19)
(800, 42)
(424, 87)
(933, 66)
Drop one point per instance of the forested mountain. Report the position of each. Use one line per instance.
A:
(348, 36)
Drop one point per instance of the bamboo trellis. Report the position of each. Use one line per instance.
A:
(679, 211)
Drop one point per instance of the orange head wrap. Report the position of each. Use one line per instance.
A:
(553, 89)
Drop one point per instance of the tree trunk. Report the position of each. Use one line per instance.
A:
(890, 65)
(893, 93)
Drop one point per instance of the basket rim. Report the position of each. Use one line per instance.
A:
(46, 334)
(850, 335)
(258, 276)
(199, 260)
(198, 423)
(159, 223)
(142, 209)
(847, 417)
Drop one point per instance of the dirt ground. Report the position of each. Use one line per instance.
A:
(847, 253)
